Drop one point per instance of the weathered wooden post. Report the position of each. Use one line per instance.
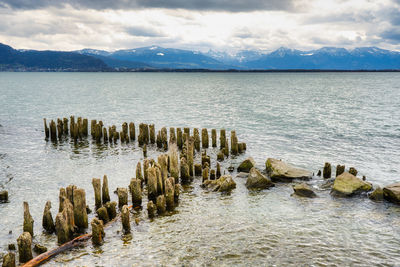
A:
(169, 193)
(122, 197)
(161, 204)
(60, 129)
(152, 133)
(205, 173)
(65, 125)
(186, 130)
(105, 192)
(218, 174)
(122, 136)
(65, 223)
(47, 221)
(103, 214)
(185, 174)
(92, 127)
(212, 174)
(97, 192)
(125, 219)
(144, 151)
(85, 127)
(145, 167)
(173, 162)
(9, 260)
(204, 138)
(327, 170)
(198, 169)
(152, 184)
(97, 231)
(25, 247)
(28, 220)
(179, 140)
(132, 133)
(234, 143)
(80, 213)
(46, 130)
(190, 154)
(53, 131)
(151, 209)
(159, 140)
(220, 155)
(196, 137)
(111, 209)
(135, 188)
(214, 137)
(340, 169)
(125, 132)
(222, 138)
(353, 171)
(226, 149)
(172, 136)
(164, 138)
(62, 196)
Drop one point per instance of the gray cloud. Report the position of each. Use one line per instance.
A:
(392, 34)
(143, 31)
(214, 5)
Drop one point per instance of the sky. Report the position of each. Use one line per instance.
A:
(221, 25)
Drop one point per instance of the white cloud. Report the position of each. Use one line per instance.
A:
(324, 23)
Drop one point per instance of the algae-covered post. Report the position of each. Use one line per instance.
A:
(80, 213)
(136, 191)
(327, 170)
(46, 130)
(65, 125)
(25, 247)
(132, 134)
(97, 231)
(204, 138)
(214, 137)
(105, 192)
(53, 131)
(97, 192)
(145, 151)
(9, 260)
(172, 136)
(28, 220)
(222, 138)
(169, 193)
(122, 197)
(164, 138)
(84, 127)
(47, 221)
(125, 219)
(152, 134)
(179, 140)
(340, 169)
(234, 143)
(218, 174)
(92, 127)
(196, 137)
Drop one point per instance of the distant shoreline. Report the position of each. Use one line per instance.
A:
(209, 71)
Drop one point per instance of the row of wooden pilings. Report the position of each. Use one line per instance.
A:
(162, 179)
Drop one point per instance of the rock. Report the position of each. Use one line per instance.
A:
(246, 165)
(9, 260)
(283, 172)
(340, 169)
(111, 209)
(242, 175)
(327, 170)
(28, 220)
(224, 184)
(103, 214)
(39, 249)
(97, 231)
(3, 196)
(122, 197)
(125, 219)
(392, 193)
(80, 214)
(11, 246)
(377, 194)
(303, 190)
(97, 192)
(105, 196)
(353, 171)
(256, 180)
(47, 221)
(161, 204)
(151, 209)
(25, 247)
(136, 191)
(347, 184)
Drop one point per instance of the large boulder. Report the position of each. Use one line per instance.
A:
(283, 172)
(347, 184)
(256, 180)
(224, 184)
(303, 190)
(392, 193)
(246, 165)
(377, 194)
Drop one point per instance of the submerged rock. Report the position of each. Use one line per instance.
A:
(303, 190)
(256, 180)
(377, 194)
(3, 196)
(246, 165)
(39, 249)
(281, 171)
(9, 260)
(392, 193)
(347, 184)
(224, 184)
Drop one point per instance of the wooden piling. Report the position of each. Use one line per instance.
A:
(97, 231)
(136, 191)
(25, 247)
(132, 133)
(53, 131)
(172, 136)
(234, 143)
(340, 169)
(105, 192)
(152, 130)
(80, 213)
(179, 140)
(46, 130)
(28, 220)
(222, 138)
(97, 192)
(196, 137)
(218, 173)
(204, 138)
(327, 170)
(169, 193)
(126, 226)
(65, 126)
(214, 137)
(47, 220)
(122, 197)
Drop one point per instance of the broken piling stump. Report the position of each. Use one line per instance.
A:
(204, 138)
(125, 219)
(214, 137)
(25, 247)
(28, 220)
(105, 192)
(136, 192)
(47, 221)
(97, 192)
(80, 214)
(97, 231)
(122, 197)
(327, 170)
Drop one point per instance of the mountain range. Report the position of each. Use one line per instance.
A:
(155, 58)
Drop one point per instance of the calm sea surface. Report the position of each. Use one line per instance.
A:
(306, 119)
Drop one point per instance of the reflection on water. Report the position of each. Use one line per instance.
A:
(306, 119)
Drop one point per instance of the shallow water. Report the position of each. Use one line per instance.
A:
(306, 119)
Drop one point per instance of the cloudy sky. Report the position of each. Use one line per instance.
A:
(225, 25)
